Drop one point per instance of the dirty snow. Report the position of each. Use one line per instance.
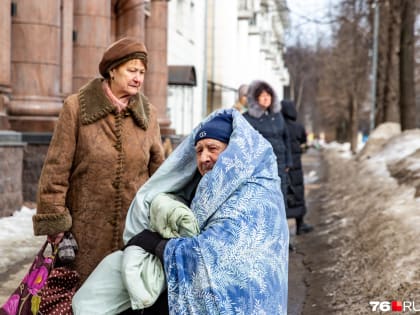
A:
(376, 222)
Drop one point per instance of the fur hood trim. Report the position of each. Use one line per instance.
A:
(254, 109)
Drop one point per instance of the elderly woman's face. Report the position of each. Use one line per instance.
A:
(128, 78)
(207, 151)
(264, 99)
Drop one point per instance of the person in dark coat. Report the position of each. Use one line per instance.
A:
(296, 207)
(264, 114)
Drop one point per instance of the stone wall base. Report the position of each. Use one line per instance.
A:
(33, 160)
(11, 157)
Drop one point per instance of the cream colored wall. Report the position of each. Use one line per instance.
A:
(237, 50)
(187, 46)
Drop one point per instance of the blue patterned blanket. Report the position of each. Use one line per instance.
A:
(238, 264)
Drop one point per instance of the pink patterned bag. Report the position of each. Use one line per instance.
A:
(45, 289)
(26, 299)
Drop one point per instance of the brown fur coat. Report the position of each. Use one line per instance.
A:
(96, 162)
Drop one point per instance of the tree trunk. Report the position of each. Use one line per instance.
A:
(354, 123)
(407, 65)
(392, 112)
(388, 62)
(382, 61)
(353, 99)
(292, 87)
(300, 93)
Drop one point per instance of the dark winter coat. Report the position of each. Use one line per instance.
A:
(97, 160)
(270, 123)
(296, 190)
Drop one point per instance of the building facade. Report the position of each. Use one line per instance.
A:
(245, 42)
(186, 62)
(225, 44)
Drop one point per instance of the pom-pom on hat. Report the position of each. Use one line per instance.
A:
(219, 128)
(123, 50)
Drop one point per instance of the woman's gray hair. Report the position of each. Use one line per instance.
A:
(242, 90)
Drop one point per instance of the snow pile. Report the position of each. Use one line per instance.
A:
(17, 240)
(399, 147)
(401, 154)
(378, 138)
(373, 221)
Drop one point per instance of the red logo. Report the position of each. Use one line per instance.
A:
(396, 306)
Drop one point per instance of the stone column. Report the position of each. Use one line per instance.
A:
(130, 19)
(156, 82)
(67, 47)
(36, 99)
(92, 29)
(5, 55)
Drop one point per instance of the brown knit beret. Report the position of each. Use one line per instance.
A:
(121, 51)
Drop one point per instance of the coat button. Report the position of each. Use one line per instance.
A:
(117, 146)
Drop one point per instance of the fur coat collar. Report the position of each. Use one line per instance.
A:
(94, 105)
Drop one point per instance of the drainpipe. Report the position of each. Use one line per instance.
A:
(204, 80)
(213, 54)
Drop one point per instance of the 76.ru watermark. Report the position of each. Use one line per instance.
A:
(394, 306)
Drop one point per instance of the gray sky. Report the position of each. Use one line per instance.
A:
(309, 19)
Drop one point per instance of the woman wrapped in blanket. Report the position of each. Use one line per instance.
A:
(226, 173)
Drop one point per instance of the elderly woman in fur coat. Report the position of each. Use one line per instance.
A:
(264, 114)
(105, 146)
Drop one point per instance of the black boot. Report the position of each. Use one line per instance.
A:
(302, 227)
(292, 248)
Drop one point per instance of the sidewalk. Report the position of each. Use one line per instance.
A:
(299, 287)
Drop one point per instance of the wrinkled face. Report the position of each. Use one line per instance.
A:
(264, 99)
(207, 151)
(128, 78)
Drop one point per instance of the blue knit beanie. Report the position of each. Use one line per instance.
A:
(219, 128)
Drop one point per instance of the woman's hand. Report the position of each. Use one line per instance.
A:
(55, 238)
